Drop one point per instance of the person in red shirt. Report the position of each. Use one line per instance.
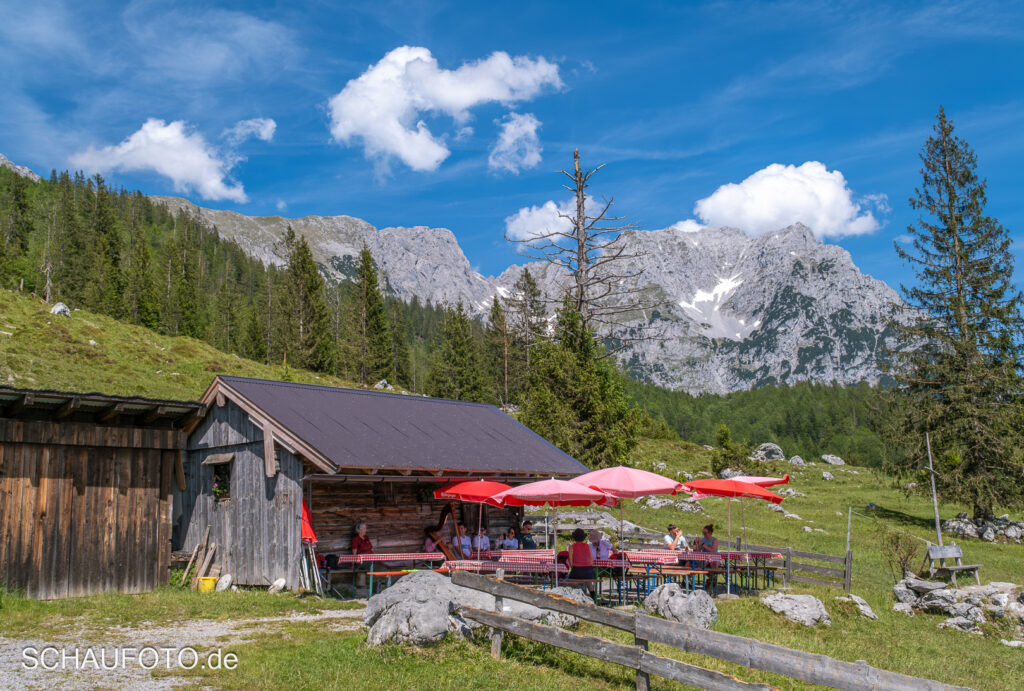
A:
(581, 558)
(360, 543)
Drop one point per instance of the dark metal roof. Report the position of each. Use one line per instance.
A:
(94, 407)
(355, 428)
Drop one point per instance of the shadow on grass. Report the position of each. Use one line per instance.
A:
(900, 517)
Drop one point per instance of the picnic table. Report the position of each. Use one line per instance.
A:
(411, 557)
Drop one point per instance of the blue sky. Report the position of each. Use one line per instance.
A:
(396, 112)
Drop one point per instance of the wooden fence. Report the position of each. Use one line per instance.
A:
(793, 571)
(747, 652)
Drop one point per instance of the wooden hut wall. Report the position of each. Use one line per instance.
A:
(396, 514)
(84, 508)
(257, 529)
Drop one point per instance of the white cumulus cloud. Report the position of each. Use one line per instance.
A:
(531, 222)
(260, 128)
(780, 195)
(518, 144)
(173, 151)
(382, 108)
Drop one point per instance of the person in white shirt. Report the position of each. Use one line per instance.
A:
(509, 540)
(675, 539)
(599, 547)
(463, 542)
(481, 542)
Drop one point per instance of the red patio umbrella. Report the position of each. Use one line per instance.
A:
(731, 488)
(625, 482)
(477, 491)
(555, 493)
(762, 481)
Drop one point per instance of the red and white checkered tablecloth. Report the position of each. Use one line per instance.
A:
(515, 567)
(348, 558)
(413, 556)
(652, 557)
(525, 559)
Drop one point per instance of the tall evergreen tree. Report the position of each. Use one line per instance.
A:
(527, 319)
(455, 370)
(575, 397)
(370, 342)
(315, 342)
(959, 377)
(401, 357)
(499, 351)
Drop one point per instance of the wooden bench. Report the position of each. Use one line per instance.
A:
(939, 553)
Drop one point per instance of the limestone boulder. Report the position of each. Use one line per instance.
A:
(832, 459)
(672, 602)
(862, 606)
(796, 460)
(60, 309)
(768, 452)
(827, 476)
(802, 609)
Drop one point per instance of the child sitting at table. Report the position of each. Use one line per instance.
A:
(509, 540)
(581, 558)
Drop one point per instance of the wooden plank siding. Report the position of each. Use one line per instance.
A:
(257, 529)
(84, 508)
(396, 514)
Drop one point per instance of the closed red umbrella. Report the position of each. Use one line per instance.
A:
(477, 491)
(307, 524)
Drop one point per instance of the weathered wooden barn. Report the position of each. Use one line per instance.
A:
(85, 491)
(354, 455)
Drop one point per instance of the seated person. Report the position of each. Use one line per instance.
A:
(708, 543)
(462, 542)
(581, 558)
(481, 543)
(509, 540)
(599, 547)
(428, 542)
(675, 538)
(360, 543)
(526, 537)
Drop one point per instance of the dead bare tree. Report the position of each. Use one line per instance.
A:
(593, 252)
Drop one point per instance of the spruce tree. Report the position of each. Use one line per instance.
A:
(959, 373)
(527, 318)
(370, 341)
(401, 357)
(499, 351)
(455, 370)
(575, 397)
(315, 343)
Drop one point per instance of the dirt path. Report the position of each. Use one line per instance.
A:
(106, 660)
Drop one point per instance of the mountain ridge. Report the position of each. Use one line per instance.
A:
(736, 311)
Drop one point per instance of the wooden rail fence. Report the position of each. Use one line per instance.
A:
(747, 652)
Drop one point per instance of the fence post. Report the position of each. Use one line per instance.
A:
(789, 567)
(499, 607)
(848, 576)
(643, 680)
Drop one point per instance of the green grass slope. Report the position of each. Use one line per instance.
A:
(895, 642)
(87, 352)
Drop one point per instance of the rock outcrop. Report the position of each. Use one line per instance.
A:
(694, 608)
(987, 529)
(768, 452)
(802, 609)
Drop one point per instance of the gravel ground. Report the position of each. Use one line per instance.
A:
(20, 672)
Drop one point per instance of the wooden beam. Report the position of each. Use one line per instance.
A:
(153, 415)
(179, 471)
(697, 677)
(404, 472)
(221, 400)
(599, 615)
(70, 406)
(269, 454)
(591, 646)
(111, 412)
(21, 405)
(768, 657)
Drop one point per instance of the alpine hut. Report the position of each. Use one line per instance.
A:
(353, 455)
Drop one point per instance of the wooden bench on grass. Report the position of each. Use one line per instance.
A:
(937, 555)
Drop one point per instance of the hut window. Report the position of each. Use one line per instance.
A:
(221, 464)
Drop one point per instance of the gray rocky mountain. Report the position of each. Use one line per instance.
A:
(23, 171)
(735, 311)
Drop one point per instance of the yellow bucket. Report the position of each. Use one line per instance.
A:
(207, 584)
